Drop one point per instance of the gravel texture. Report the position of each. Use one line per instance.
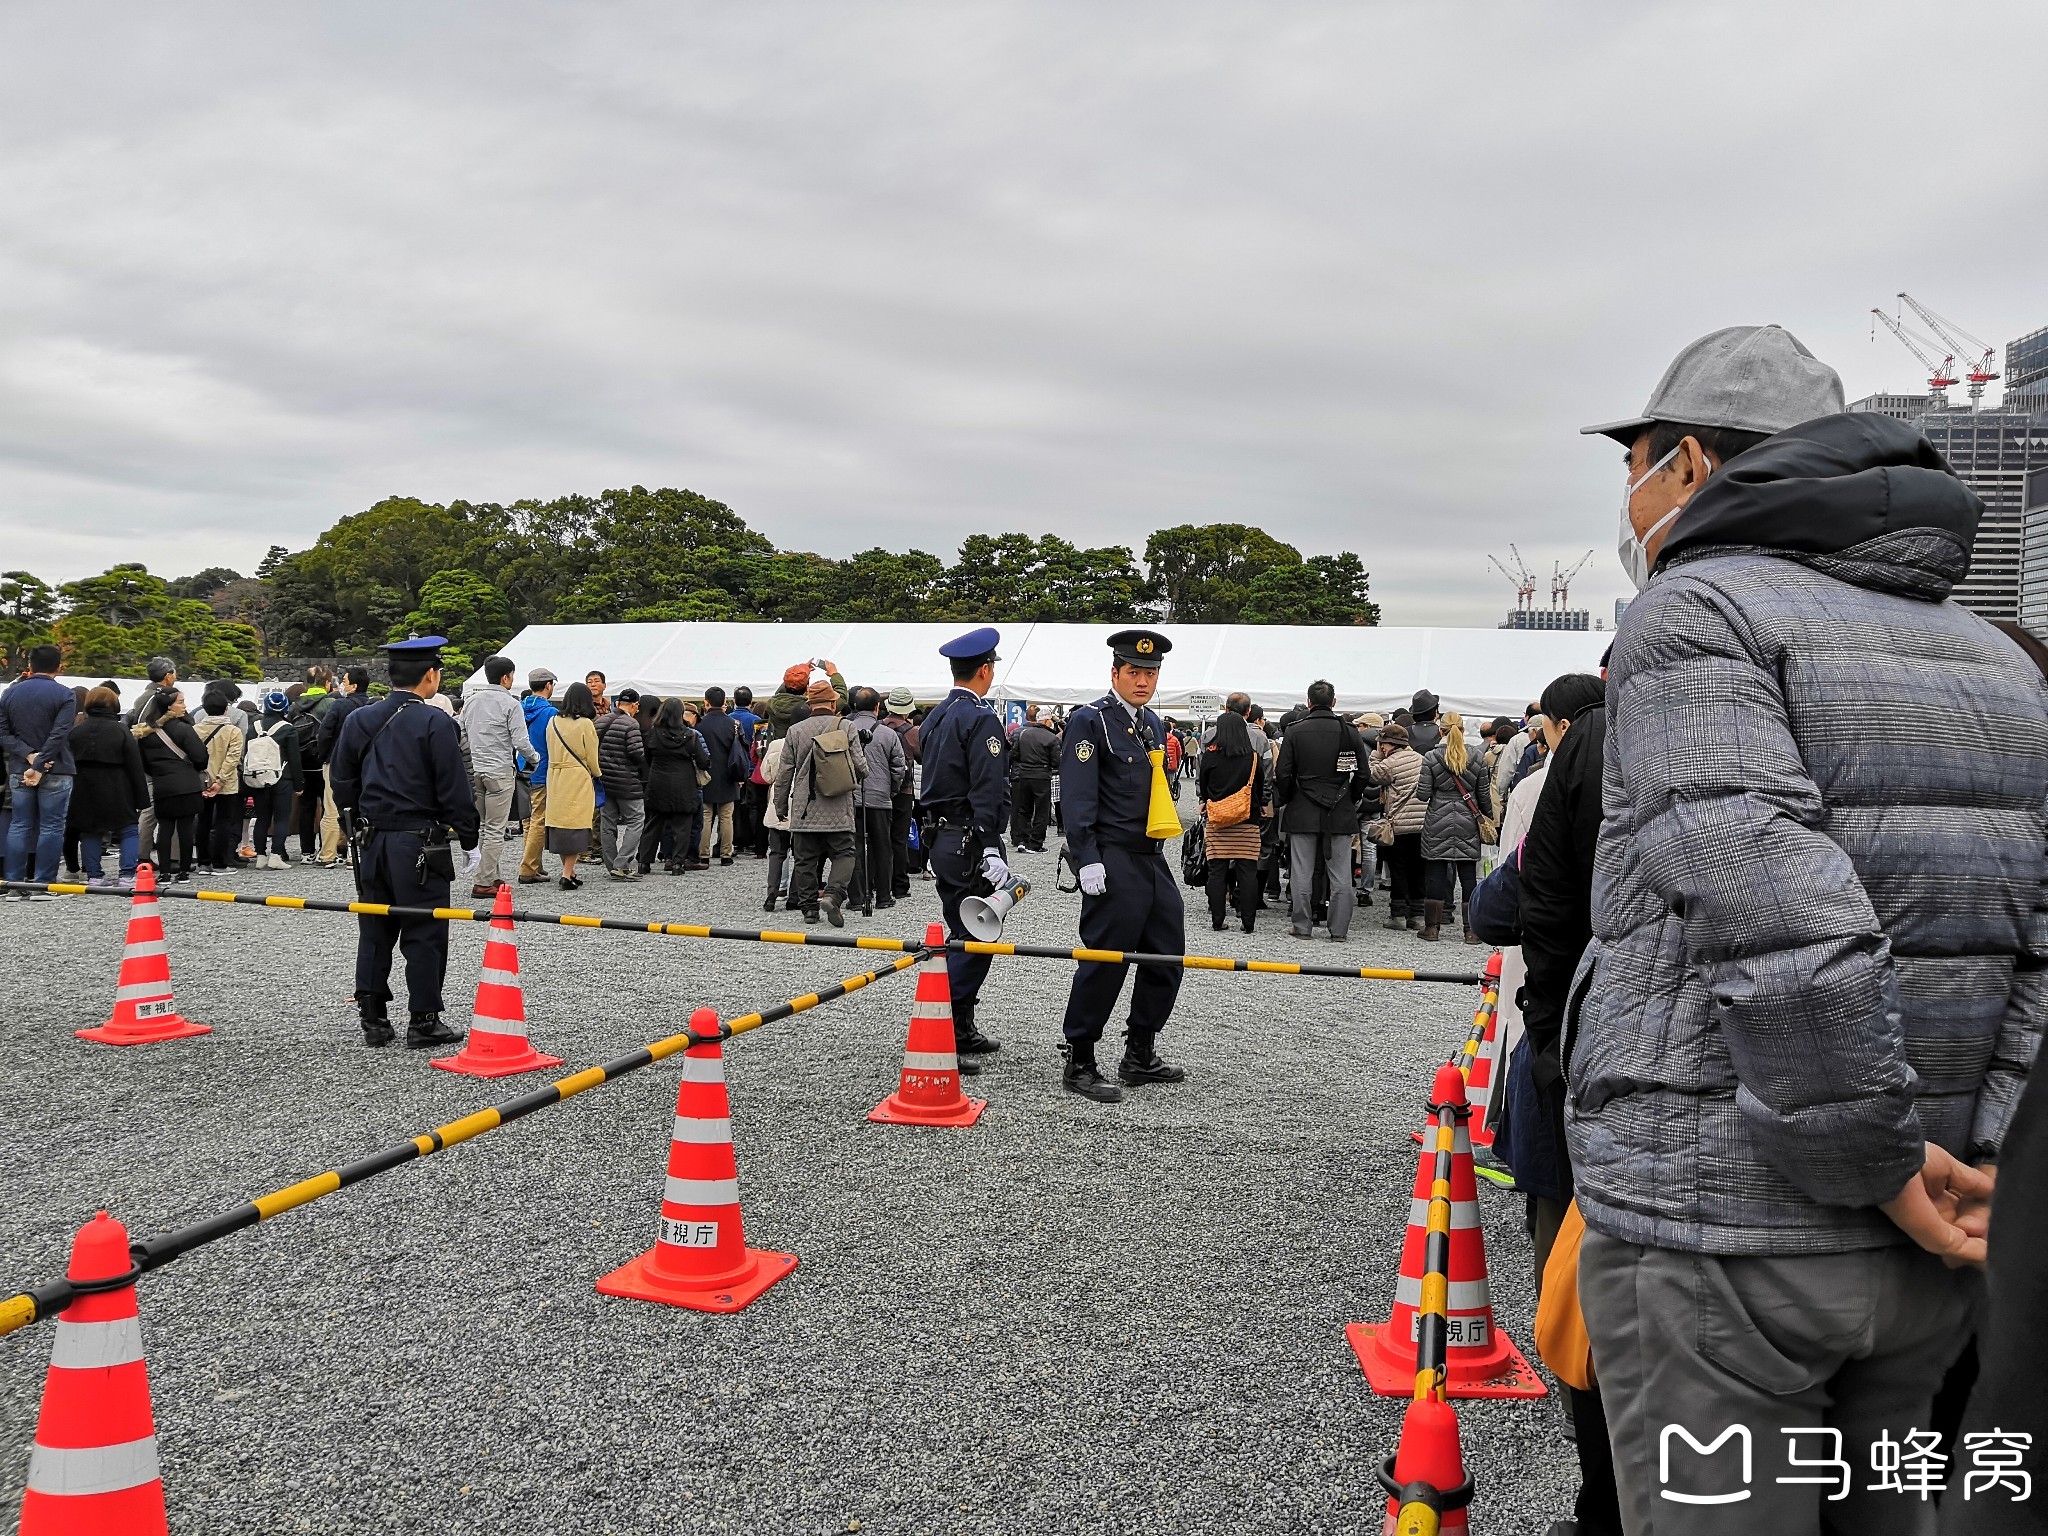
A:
(1072, 1316)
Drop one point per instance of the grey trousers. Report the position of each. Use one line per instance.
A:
(620, 823)
(1301, 881)
(1854, 1343)
(493, 804)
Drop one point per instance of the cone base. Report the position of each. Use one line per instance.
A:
(1391, 1372)
(897, 1110)
(137, 1511)
(638, 1280)
(174, 1027)
(480, 1064)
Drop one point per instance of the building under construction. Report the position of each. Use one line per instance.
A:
(1560, 614)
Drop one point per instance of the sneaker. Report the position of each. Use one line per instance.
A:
(15, 896)
(42, 896)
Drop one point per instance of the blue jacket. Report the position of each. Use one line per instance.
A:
(539, 712)
(36, 715)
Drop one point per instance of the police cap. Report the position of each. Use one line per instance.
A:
(415, 644)
(976, 642)
(1139, 647)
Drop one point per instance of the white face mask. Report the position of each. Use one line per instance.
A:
(1634, 551)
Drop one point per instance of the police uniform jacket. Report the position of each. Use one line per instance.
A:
(1106, 778)
(966, 769)
(398, 765)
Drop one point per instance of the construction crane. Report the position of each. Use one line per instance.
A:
(1525, 584)
(1961, 344)
(1561, 581)
(1939, 375)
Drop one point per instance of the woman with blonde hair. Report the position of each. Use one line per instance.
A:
(1456, 796)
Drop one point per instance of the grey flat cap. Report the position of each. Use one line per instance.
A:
(539, 677)
(1750, 378)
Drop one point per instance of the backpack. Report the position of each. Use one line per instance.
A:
(832, 768)
(305, 717)
(1194, 857)
(262, 759)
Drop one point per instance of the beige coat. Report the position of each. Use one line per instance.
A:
(572, 768)
(223, 740)
(1396, 774)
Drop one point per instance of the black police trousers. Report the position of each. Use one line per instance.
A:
(1139, 909)
(390, 873)
(956, 870)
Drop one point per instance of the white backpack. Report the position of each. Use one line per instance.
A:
(262, 762)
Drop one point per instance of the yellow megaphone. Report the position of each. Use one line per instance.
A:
(1162, 817)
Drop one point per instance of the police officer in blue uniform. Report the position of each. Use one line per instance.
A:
(397, 774)
(1129, 898)
(963, 807)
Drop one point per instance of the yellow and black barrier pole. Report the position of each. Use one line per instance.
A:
(774, 936)
(29, 1306)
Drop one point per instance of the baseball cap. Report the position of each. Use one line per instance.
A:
(540, 677)
(1747, 378)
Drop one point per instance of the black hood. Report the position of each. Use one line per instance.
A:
(1863, 497)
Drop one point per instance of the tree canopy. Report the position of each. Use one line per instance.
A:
(478, 572)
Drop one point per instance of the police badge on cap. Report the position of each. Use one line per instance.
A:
(1139, 647)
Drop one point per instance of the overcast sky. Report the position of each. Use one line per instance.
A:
(878, 273)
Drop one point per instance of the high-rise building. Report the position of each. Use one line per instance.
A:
(2034, 556)
(1548, 618)
(1992, 453)
(1905, 407)
(2026, 372)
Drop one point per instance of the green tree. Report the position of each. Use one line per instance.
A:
(275, 556)
(28, 607)
(1326, 589)
(1202, 574)
(205, 584)
(879, 586)
(119, 619)
(463, 606)
(1014, 576)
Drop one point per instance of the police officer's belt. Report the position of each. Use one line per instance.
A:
(372, 829)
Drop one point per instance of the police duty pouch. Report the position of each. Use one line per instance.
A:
(437, 861)
(832, 770)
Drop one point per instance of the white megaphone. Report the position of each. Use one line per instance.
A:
(984, 915)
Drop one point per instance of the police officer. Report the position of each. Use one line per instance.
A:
(397, 771)
(1129, 896)
(963, 808)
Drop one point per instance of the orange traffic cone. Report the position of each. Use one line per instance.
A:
(1482, 1361)
(497, 1045)
(93, 1470)
(1479, 1086)
(1429, 1454)
(700, 1259)
(143, 1009)
(928, 1092)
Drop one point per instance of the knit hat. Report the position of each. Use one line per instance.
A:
(1370, 720)
(822, 693)
(901, 701)
(1393, 736)
(797, 677)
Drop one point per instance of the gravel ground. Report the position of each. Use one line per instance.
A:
(1127, 1318)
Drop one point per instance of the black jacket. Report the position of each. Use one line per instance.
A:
(175, 759)
(111, 788)
(1557, 884)
(1322, 772)
(622, 754)
(719, 730)
(333, 716)
(1217, 776)
(1036, 754)
(675, 754)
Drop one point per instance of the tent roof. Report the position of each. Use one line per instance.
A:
(1480, 672)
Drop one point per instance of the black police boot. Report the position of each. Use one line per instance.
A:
(1082, 1076)
(428, 1030)
(376, 1024)
(1141, 1063)
(968, 1040)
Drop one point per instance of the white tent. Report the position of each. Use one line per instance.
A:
(1480, 672)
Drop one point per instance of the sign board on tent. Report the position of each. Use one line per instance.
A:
(1013, 714)
(1205, 703)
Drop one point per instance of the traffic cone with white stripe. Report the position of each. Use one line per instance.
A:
(700, 1258)
(928, 1092)
(1479, 1087)
(143, 1009)
(1429, 1465)
(93, 1469)
(497, 1045)
(1482, 1360)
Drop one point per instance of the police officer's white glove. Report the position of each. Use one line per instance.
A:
(1094, 879)
(472, 862)
(993, 869)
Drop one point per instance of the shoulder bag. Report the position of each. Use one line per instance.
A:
(1489, 829)
(1235, 807)
(1381, 828)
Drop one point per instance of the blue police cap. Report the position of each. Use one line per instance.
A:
(976, 642)
(1139, 647)
(416, 643)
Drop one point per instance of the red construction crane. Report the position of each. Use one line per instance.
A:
(1561, 581)
(1961, 343)
(1525, 584)
(1939, 375)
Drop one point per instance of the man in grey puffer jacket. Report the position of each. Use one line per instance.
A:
(1815, 983)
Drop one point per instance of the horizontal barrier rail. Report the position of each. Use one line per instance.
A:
(47, 1300)
(773, 936)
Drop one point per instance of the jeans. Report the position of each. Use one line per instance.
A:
(493, 803)
(93, 853)
(1301, 880)
(619, 825)
(38, 826)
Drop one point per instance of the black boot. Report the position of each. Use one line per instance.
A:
(376, 1023)
(968, 1040)
(1082, 1076)
(1141, 1063)
(427, 1030)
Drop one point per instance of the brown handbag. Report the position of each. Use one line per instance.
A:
(1232, 808)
